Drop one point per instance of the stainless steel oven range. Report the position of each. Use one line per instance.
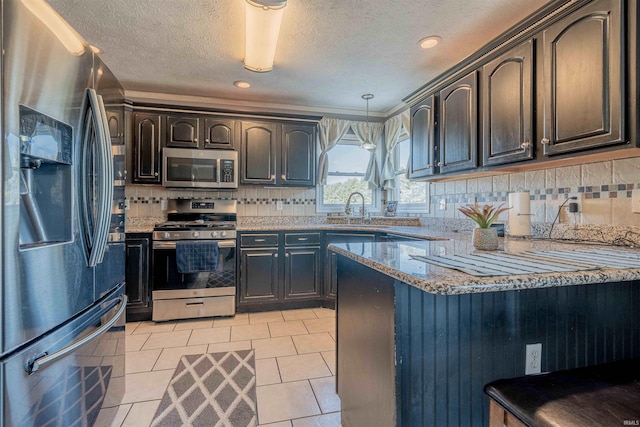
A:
(184, 295)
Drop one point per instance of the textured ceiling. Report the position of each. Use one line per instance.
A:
(329, 52)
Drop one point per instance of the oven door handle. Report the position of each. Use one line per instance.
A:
(172, 244)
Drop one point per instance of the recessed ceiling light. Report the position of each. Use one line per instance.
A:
(429, 42)
(242, 84)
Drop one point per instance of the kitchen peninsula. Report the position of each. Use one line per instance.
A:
(417, 342)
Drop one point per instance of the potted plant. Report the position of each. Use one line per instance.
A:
(484, 237)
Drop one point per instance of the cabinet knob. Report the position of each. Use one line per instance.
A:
(155, 174)
(286, 255)
(207, 140)
(429, 166)
(525, 145)
(195, 139)
(275, 255)
(545, 141)
(440, 163)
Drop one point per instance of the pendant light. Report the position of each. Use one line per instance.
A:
(367, 144)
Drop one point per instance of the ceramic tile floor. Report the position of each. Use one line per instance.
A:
(295, 363)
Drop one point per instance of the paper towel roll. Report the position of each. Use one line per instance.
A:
(519, 214)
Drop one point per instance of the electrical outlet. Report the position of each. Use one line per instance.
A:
(443, 204)
(442, 251)
(278, 205)
(533, 359)
(635, 201)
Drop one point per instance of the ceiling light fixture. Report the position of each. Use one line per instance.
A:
(429, 42)
(242, 84)
(69, 38)
(367, 144)
(262, 27)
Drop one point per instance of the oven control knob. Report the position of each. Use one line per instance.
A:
(195, 234)
(166, 236)
(214, 234)
(223, 233)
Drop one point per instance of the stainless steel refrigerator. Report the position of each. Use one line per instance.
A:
(62, 252)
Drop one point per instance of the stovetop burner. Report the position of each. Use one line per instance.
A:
(195, 225)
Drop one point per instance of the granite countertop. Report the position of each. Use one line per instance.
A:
(393, 259)
(409, 231)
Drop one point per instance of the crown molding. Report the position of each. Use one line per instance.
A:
(251, 106)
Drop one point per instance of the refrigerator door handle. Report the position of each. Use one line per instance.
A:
(42, 361)
(105, 190)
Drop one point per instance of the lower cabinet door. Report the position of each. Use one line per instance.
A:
(137, 276)
(302, 273)
(259, 275)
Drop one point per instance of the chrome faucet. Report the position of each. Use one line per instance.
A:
(347, 208)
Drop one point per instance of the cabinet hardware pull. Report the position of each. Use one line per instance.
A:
(525, 145)
(440, 163)
(545, 141)
(194, 303)
(260, 240)
(302, 239)
(429, 166)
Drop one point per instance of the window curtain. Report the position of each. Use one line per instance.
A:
(372, 175)
(406, 124)
(331, 131)
(392, 129)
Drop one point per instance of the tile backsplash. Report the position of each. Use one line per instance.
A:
(146, 201)
(603, 190)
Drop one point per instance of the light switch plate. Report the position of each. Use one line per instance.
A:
(443, 204)
(635, 201)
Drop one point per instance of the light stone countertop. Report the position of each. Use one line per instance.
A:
(393, 259)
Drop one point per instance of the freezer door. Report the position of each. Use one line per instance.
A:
(67, 377)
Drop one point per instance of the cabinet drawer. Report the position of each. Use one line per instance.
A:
(301, 239)
(258, 240)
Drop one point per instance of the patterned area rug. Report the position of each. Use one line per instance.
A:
(212, 390)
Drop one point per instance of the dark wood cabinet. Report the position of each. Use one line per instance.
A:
(280, 269)
(258, 151)
(302, 261)
(584, 84)
(297, 155)
(115, 123)
(183, 132)
(219, 133)
(356, 243)
(508, 107)
(423, 137)
(458, 130)
(275, 154)
(138, 276)
(259, 275)
(146, 149)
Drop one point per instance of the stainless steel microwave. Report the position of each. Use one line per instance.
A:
(191, 168)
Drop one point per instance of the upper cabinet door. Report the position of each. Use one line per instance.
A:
(297, 155)
(459, 125)
(507, 95)
(423, 136)
(258, 153)
(219, 133)
(183, 132)
(115, 120)
(583, 79)
(146, 149)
